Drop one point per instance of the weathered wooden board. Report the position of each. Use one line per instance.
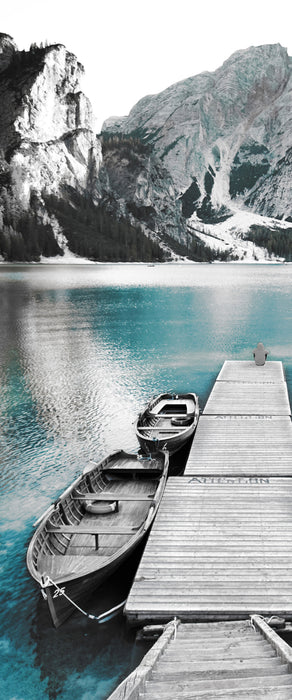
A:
(248, 398)
(246, 426)
(258, 445)
(243, 388)
(247, 371)
(219, 549)
(212, 660)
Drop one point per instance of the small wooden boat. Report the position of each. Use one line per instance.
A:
(168, 421)
(94, 526)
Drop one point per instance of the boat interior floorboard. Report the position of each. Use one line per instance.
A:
(130, 514)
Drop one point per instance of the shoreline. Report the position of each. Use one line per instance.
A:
(67, 261)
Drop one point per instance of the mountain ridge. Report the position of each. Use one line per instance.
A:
(207, 107)
(166, 181)
(225, 137)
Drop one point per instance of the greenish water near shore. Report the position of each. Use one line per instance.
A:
(82, 348)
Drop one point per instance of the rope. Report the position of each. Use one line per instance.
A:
(271, 618)
(175, 621)
(252, 622)
(265, 619)
(99, 618)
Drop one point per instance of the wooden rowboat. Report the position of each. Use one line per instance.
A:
(94, 526)
(167, 422)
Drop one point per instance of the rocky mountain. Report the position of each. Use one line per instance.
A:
(202, 169)
(225, 138)
(57, 190)
(46, 139)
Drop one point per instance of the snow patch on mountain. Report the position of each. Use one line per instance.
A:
(230, 235)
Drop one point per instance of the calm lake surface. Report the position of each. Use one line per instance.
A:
(82, 348)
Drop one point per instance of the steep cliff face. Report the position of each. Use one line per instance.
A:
(224, 137)
(47, 133)
(47, 139)
(144, 187)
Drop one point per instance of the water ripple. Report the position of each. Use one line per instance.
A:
(81, 351)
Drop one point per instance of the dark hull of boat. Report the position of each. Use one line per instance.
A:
(172, 445)
(80, 588)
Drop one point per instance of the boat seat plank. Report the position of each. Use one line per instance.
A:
(146, 468)
(164, 428)
(111, 496)
(93, 530)
(90, 529)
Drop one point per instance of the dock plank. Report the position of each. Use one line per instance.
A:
(246, 370)
(248, 398)
(186, 534)
(246, 424)
(234, 445)
(243, 388)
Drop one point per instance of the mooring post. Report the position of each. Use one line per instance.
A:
(260, 354)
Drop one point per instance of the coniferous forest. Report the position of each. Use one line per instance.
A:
(23, 235)
(92, 232)
(277, 242)
(95, 233)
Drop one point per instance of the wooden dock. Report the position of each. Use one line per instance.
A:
(246, 425)
(244, 660)
(221, 545)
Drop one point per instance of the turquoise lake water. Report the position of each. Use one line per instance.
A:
(82, 349)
